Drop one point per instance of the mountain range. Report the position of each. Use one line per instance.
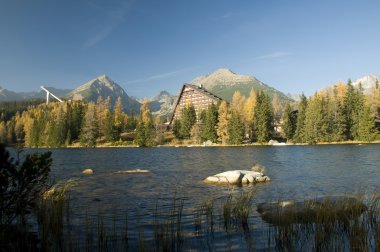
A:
(222, 83)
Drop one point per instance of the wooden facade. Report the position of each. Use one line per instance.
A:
(199, 97)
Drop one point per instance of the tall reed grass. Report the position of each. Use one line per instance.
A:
(229, 223)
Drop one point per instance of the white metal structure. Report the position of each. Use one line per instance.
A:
(48, 93)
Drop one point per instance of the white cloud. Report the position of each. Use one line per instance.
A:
(159, 76)
(274, 55)
(112, 20)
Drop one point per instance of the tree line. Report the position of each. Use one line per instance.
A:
(339, 113)
(336, 114)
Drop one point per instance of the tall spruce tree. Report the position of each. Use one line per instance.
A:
(145, 128)
(235, 129)
(316, 126)
(89, 131)
(353, 106)
(301, 115)
(188, 119)
(366, 127)
(210, 123)
(263, 118)
(290, 120)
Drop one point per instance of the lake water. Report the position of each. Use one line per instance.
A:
(297, 172)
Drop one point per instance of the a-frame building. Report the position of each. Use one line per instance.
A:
(199, 97)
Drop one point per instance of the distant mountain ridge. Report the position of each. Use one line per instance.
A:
(6, 95)
(104, 87)
(224, 83)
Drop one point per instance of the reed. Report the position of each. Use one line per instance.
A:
(330, 228)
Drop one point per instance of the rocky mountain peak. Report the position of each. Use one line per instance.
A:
(367, 81)
(224, 77)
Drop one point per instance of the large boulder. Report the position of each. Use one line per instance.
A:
(325, 209)
(237, 177)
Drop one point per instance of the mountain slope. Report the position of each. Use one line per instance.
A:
(42, 94)
(103, 86)
(163, 104)
(6, 95)
(224, 83)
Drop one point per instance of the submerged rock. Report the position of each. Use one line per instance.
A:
(325, 209)
(131, 171)
(237, 177)
(87, 171)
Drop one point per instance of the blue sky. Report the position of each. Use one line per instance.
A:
(149, 46)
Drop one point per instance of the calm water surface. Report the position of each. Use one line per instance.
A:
(297, 172)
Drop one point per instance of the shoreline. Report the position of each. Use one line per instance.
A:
(182, 145)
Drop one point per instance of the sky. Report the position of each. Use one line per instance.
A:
(147, 46)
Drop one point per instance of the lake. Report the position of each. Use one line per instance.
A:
(296, 172)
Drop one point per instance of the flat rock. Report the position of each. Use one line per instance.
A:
(130, 171)
(237, 177)
(337, 208)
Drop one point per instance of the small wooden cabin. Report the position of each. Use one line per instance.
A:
(199, 97)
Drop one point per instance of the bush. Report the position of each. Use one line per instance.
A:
(21, 184)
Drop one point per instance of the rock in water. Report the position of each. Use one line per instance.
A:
(338, 208)
(237, 177)
(87, 171)
(131, 171)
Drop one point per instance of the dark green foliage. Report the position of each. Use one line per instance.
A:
(366, 127)
(209, 124)
(299, 133)
(131, 122)
(9, 108)
(75, 113)
(353, 107)
(188, 119)
(144, 134)
(177, 129)
(337, 121)
(263, 118)
(316, 126)
(89, 130)
(235, 129)
(290, 120)
(21, 184)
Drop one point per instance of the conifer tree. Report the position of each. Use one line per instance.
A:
(120, 117)
(177, 129)
(353, 106)
(337, 120)
(131, 122)
(89, 131)
(188, 119)
(316, 127)
(144, 131)
(235, 129)
(299, 133)
(210, 123)
(290, 120)
(366, 127)
(263, 118)
(222, 131)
